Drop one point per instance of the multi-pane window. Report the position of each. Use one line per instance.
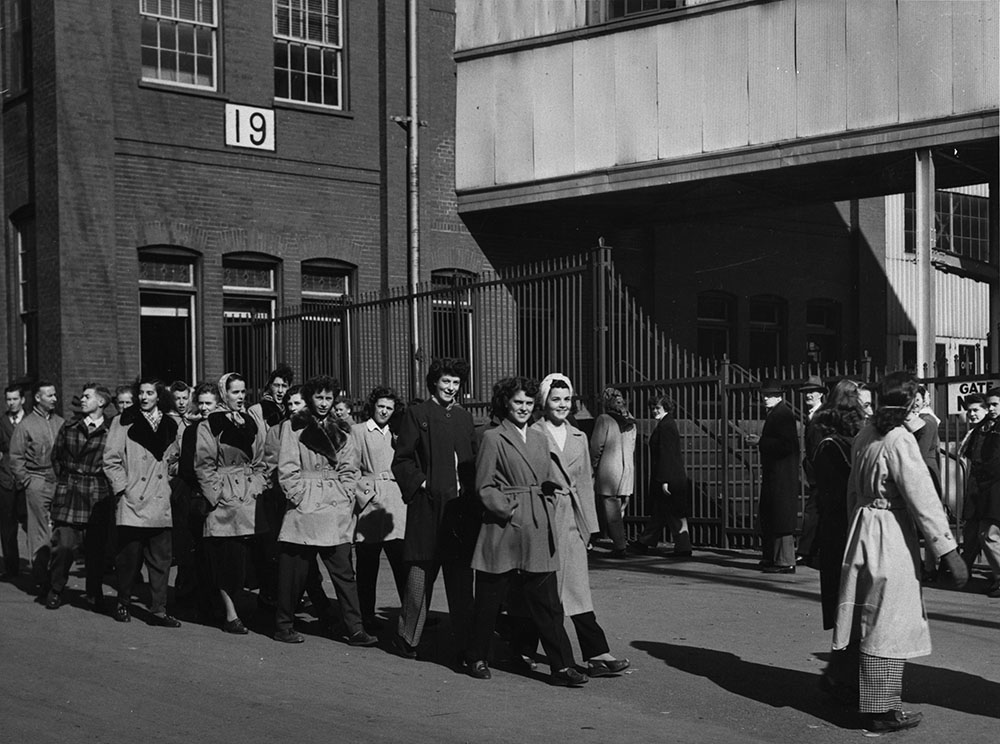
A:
(451, 316)
(622, 8)
(961, 224)
(16, 60)
(326, 280)
(767, 332)
(23, 239)
(179, 41)
(326, 285)
(249, 287)
(167, 313)
(308, 51)
(716, 325)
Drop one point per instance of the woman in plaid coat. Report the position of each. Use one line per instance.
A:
(81, 507)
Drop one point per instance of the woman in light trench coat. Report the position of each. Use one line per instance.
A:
(229, 464)
(575, 520)
(892, 500)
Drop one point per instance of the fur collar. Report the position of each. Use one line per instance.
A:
(240, 436)
(140, 432)
(323, 440)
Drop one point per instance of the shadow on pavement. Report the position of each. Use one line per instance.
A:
(774, 686)
(947, 688)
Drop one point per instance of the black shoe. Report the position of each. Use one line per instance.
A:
(893, 720)
(478, 670)
(164, 621)
(288, 636)
(568, 677)
(599, 668)
(53, 600)
(778, 569)
(616, 554)
(637, 548)
(122, 615)
(361, 638)
(679, 554)
(236, 627)
(401, 648)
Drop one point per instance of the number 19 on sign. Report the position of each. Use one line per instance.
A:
(249, 127)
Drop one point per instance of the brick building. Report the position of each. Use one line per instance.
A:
(175, 169)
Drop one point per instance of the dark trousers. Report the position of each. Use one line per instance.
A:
(227, 560)
(368, 555)
(154, 545)
(13, 511)
(67, 538)
(293, 572)
(420, 578)
(589, 633)
(541, 596)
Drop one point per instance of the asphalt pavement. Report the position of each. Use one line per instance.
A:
(720, 653)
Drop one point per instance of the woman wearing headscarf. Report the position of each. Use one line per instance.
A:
(892, 501)
(612, 455)
(575, 520)
(318, 471)
(229, 465)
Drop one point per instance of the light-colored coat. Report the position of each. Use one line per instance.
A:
(612, 455)
(891, 496)
(380, 507)
(229, 479)
(518, 531)
(134, 470)
(576, 516)
(320, 494)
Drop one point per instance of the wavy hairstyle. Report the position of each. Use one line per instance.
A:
(446, 366)
(334, 427)
(164, 398)
(897, 392)
(383, 392)
(506, 389)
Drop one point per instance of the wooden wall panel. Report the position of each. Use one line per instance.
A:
(594, 103)
(991, 52)
(821, 89)
(515, 19)
(969, 57)
(925, 60)
(771, 78)
(680, 81)
(553, 16)
(474, 23)
(474, 124)
(872, 98)
(513, 125)
(552, 84)
(635, 96)
(724, 97)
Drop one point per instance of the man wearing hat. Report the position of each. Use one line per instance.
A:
(813, 391)
(779, 489)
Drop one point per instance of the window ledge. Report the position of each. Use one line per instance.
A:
(310, 109)
(183, 90)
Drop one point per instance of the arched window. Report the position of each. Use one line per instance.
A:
(716, 325)
(327, 279)
(822, 330)
(326, 285)
(167, 321)
(767, 332)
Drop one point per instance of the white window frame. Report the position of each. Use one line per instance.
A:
(306, 43)
(176, 19)
(183, 291)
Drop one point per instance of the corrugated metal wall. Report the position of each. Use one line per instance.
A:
(747, 75)
(962, 305)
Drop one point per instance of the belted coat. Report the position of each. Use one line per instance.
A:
(229, 464)
(319, 482)
(380, 507)
(518, 530)
(137, 461)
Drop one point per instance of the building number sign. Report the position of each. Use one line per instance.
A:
(249, 127)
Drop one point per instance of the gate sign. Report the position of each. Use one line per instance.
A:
(249, 127)
(958, 390)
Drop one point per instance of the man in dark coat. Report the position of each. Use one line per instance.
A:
(779, 490)
(434, 465)
(983, 450)
(13, 510)
(81, 507)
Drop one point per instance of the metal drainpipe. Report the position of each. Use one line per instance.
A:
(413, 191)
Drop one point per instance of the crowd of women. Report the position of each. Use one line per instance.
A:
(290, 482)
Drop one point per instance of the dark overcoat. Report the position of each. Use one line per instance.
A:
(518, 530)
(78, 459)
(779, 463)
(984, 453)
(667, 466)
(435, 446)
(831, 460)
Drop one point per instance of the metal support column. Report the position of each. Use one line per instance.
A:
(924, 202)
(993, 362)
(413, 193)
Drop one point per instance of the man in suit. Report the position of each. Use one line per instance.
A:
(81, 508)
(12, 508)
(31, 463)
(779, 490)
